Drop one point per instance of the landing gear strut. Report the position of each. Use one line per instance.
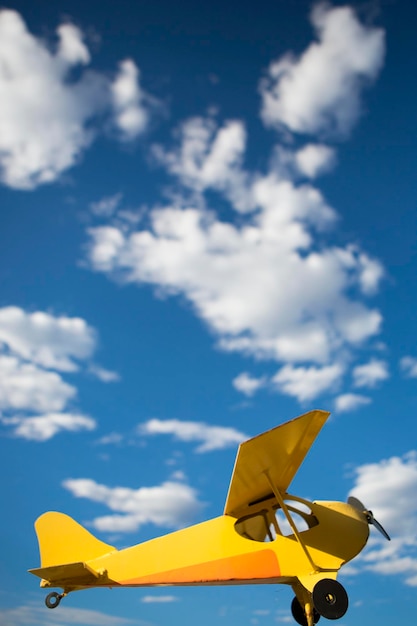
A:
(53, 599)
(299, 615)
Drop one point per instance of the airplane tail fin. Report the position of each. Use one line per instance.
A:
(62, 540)
(64, 547)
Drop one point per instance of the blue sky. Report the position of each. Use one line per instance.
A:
(208, 227)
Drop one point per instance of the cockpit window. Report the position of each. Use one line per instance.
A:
(267, 524)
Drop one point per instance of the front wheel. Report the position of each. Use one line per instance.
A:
(330, 598)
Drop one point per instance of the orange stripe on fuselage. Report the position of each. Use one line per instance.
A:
(262, 565)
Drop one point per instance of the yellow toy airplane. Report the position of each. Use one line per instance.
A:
(264, 536)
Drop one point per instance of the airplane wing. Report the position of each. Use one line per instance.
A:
(279, 451)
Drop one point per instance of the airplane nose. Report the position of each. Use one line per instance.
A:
(369, 516)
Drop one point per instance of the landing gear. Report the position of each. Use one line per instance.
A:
(299, 615)
(330, 598)
(53, 599)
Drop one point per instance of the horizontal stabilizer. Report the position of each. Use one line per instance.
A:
(61, 575)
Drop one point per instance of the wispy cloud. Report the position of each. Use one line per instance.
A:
(159, 599)
(408, 365)
(211, 437)
(35, 615)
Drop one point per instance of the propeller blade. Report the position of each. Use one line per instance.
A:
(379, 527)
(357, 504)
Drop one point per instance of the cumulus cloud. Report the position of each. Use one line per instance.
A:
(350, 402)
(24, 386)
(315, 159)
(47, 116)
(211, 437)
(131, 115)
(36, 349)
(319, 91)
(388, 488)
(263, 277)
(49, 341)
(247, 384)
(44, 427)
(170, 505)
(209, 157)
(241, 278)
(370, 374)
(306, 383)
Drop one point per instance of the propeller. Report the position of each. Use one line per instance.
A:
(357, 504)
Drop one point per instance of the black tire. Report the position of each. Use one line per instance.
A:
(330, 599)
(53, 599)
(299, 615)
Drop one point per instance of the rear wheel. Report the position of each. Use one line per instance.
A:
(330, 598)
(53, 599)
(299, 614)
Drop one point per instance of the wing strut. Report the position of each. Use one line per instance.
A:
(287, 514)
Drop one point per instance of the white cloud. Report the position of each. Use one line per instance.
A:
(241, 279)
(106, 206)
(103, 374)
(48, 114)
(131, 115)
(264, 281)
(44, 427)
(71, 47)
(42, 116)
(24, 386)
(408, 365)
(170, 505)
(211, 157)
(315, 159)
(306, 383)
(388, 488)
(370, 374)
(247, 384)
(350, 402)
(110, 439)
(319, 92)
(35, 348)
(158, 599)
(211, 437)
(52, 342)
(38, 615)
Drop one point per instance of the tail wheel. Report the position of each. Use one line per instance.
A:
(53, 599)
(330, 598)
(299, 614)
